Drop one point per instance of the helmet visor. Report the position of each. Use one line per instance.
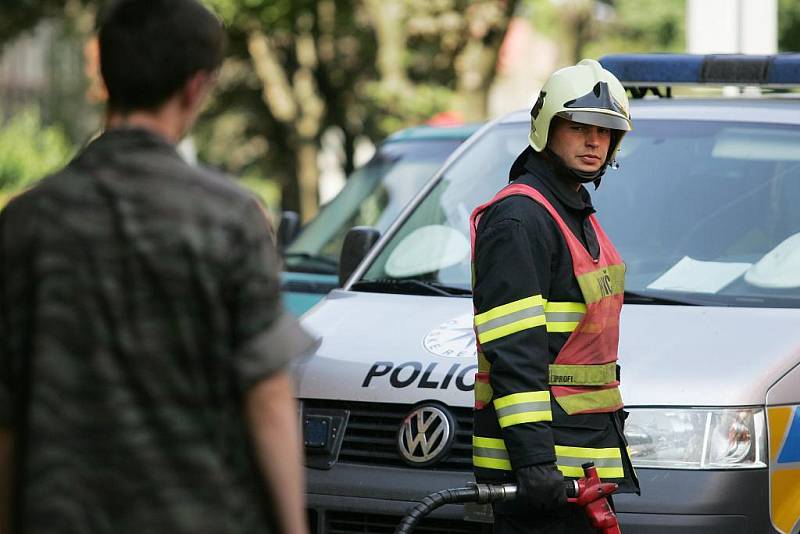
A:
(594, 118)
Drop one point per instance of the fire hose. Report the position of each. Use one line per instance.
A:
(588, 492)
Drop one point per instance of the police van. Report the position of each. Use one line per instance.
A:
(704, 210)
(374, 195)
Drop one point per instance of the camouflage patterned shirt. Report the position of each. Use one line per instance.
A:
(139, 300)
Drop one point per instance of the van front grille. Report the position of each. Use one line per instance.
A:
(371, 434)
(360, 523)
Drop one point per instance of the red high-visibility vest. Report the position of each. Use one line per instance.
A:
(583, 376)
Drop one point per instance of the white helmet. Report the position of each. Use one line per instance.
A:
(585, 93)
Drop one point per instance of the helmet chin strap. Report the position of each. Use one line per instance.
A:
(583, 177)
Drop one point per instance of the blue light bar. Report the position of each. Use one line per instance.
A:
(785, 70)
(640, 70)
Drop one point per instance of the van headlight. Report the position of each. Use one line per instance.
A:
(697, 438)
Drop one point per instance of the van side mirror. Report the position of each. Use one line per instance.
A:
(357, 244)
(288, 228)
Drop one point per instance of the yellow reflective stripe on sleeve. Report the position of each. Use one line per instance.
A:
(489, 443)
(603, 472)
(602, 283)
(509, 308)
(490, 453)
(491, 463)
(562, 327)
(510, 318)
(601, 399)
(564, 307)
(527, 407)
(608, 461)
(563, 316)
(518, 398)
(588, 453)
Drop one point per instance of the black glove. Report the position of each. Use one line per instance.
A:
(541, 487)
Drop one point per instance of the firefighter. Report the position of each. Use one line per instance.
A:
(548, 290)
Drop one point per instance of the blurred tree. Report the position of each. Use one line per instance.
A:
(366, 67)
(643, 26)
(436, 54)
(306, 58)
(298, 67)
(53, 77)
(572, 24)
(592, 28)
(28, 151)
(789, 26)
(293, 98)
(18, 16)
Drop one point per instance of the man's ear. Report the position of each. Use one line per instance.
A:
(196, 89)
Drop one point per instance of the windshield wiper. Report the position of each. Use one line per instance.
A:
(313, 257)
(632, 297)
(452, 290)
(410, 286)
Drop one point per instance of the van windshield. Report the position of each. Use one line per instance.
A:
(373, 196)
(702, 212)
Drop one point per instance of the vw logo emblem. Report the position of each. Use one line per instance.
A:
(425, 435)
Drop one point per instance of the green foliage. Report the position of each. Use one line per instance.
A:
(611, 26)
(268, 191)
(30, 150)
(645, 26)
(271, 15)
(544, 15)
(400, 110)
(789, 26)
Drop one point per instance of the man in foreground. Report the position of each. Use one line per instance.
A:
(548, 289)
(143, 383)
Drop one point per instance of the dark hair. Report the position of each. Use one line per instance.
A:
(150, 48)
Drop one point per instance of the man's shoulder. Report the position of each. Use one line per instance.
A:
(48, 187)
(219, 182)
(186, 187)
(141, 155)
(220, 193)
(520, 209)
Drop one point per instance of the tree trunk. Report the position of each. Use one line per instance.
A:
(296, 104)
(308, 178)
(290, 192)
(475, 67)
(577, 23)
(476, 64)
(349, 150)
(388, 19)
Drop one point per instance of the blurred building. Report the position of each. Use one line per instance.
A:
(44, 68)
(24, 77)
(732, 26)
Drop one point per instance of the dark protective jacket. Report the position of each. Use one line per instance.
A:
(521, 255)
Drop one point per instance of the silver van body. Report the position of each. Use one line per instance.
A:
(384, 354)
